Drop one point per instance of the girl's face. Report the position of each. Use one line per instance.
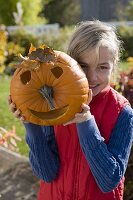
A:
(98, 70)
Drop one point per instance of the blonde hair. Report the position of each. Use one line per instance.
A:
(94, 34)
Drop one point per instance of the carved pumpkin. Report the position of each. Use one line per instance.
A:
(48, 86)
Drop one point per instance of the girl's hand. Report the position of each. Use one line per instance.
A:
(84, 115)
(89, 96)
(14, 110)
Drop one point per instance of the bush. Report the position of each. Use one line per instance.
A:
(20, 41)
(23, 39)
(3, 43)
(12, 50)
(126, 35)
(58, 42)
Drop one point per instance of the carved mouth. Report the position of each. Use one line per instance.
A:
(52, 114)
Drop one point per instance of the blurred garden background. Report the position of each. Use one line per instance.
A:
(51, 22)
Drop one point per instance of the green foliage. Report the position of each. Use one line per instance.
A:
(124, 10)
(129, 11)
(126, 35)
(65, 12)
(58, 42)
(20, 41)
(31, 10)
(6, 10)
(3, 43)
(11, 60)
(23, 39)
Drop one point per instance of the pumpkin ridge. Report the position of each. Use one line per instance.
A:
(67, 60)
(21, 95)
(51, 76)
(68, 81)
(38, 105)
(31, 89)
(26, 102)
(68, 86)
(59, 103)
(35, 82)
(44, 105)
(44, 73)
(48, 75)
(39, 78)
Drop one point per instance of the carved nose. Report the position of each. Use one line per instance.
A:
(47, 93)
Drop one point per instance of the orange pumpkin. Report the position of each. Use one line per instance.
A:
(48, 86)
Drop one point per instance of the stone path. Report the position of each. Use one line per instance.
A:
(17, 181)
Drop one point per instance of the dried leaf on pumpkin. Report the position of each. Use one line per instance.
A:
(43, 55)
(28, 64)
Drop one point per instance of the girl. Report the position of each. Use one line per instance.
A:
(86, 158)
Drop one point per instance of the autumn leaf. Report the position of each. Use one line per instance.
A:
(28, 64)
(36, 56)
(8, 138)
(43, 55)
(32, 48)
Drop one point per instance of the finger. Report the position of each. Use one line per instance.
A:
(26, 122)
(79, 115)
(22, 118)
(82, 108)
(12, 107)
(85, 108)
(65, 124)
(17, 114)
(12, 110)
(90, 94)
(69, 122)
(9, 99)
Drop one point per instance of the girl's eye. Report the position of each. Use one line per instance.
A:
(102, 67)
(85, 69)
(83, 65)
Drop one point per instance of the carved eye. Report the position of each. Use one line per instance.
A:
(57, 71)
(25, 77)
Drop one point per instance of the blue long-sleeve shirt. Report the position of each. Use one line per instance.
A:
(43, 153)
(107, 162)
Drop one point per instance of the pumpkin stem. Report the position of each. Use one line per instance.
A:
(47, 93)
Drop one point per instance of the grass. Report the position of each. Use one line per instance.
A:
(7, 120)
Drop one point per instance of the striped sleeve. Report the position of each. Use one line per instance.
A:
(43, 153)
(108, 163)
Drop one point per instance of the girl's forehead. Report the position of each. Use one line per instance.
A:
(96, 56)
